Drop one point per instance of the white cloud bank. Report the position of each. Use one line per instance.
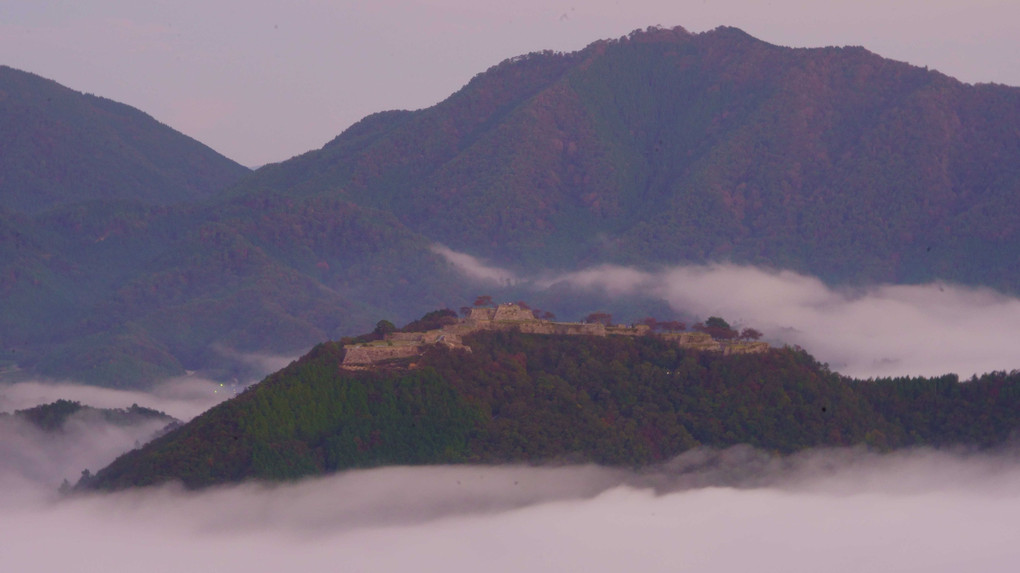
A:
(35, 459)
(182, 398)
(842, 510)
(475, 268)
(884, 330)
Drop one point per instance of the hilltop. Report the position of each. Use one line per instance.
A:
(61, 147)
(507, 396)
(656, 149)
(666, 147)
(517, 317)
(53, 417)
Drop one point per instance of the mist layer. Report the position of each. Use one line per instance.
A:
(840, 510)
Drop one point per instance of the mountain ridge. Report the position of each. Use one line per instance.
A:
(660, 148)
(59, 146)
(533, 398)
(770, 132)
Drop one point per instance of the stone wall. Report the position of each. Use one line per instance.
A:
(745, 347)
(513, 317)
(481, 313)
(365, 355)
(694, 341)
(564, 328)
(512, 312)
(636, 330)
(404, 337)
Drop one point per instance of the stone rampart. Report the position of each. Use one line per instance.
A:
(562, 328)
(483, 313)
(514, 317)
(404, 337)
(365, 355)
(636, 330)
(741, 347)
(694, 341)
(513, 313)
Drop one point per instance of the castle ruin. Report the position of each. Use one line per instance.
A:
(509, 316)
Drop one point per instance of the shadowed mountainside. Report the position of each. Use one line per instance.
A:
(670, 147)
(53, 417)
(121, 295)
(659, 148)
(59, 147)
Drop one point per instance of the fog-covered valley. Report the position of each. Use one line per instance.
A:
(834, 510)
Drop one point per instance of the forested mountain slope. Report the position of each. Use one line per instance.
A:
(59, 147)
(669, 147)
(53, 417)
(518, 397)
(121, 263)
(120, 294)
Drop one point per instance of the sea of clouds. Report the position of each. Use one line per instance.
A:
(882, 330)
(37, 459)
(736, 510)
(739, 509)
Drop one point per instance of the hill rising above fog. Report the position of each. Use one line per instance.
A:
(124, 260)
(53, 417)
(615, 400)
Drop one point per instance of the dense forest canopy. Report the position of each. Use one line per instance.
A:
(515, 397)
(130, 253)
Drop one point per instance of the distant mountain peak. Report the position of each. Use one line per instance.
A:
(59, 147)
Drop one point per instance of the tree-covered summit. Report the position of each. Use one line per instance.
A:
(61, 147)
(532, 398)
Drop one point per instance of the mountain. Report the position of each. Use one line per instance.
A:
(53, 417)
(60, 147)
(50, 443)
(534, 398)
(135, 294)
(659, 148)
(122, 260)
(666, 147)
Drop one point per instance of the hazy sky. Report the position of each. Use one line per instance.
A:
(262, 81)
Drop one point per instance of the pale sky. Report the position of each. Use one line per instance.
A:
(262, 81)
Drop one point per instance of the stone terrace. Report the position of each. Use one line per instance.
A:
(508, 316)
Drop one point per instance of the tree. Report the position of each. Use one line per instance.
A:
(384, 327)
(672, 325)
(717, 322)
(603, 317)
(750, 334)
(716, 328)
(432, 321)
(483, 300)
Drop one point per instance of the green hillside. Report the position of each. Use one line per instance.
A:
(627, 401)
(669, 147)
(141, 293)
(59, 147)
(125, 259)
(53, 417)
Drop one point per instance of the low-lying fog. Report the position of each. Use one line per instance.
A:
(33, 456)
(884, 330)
(737, 510)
